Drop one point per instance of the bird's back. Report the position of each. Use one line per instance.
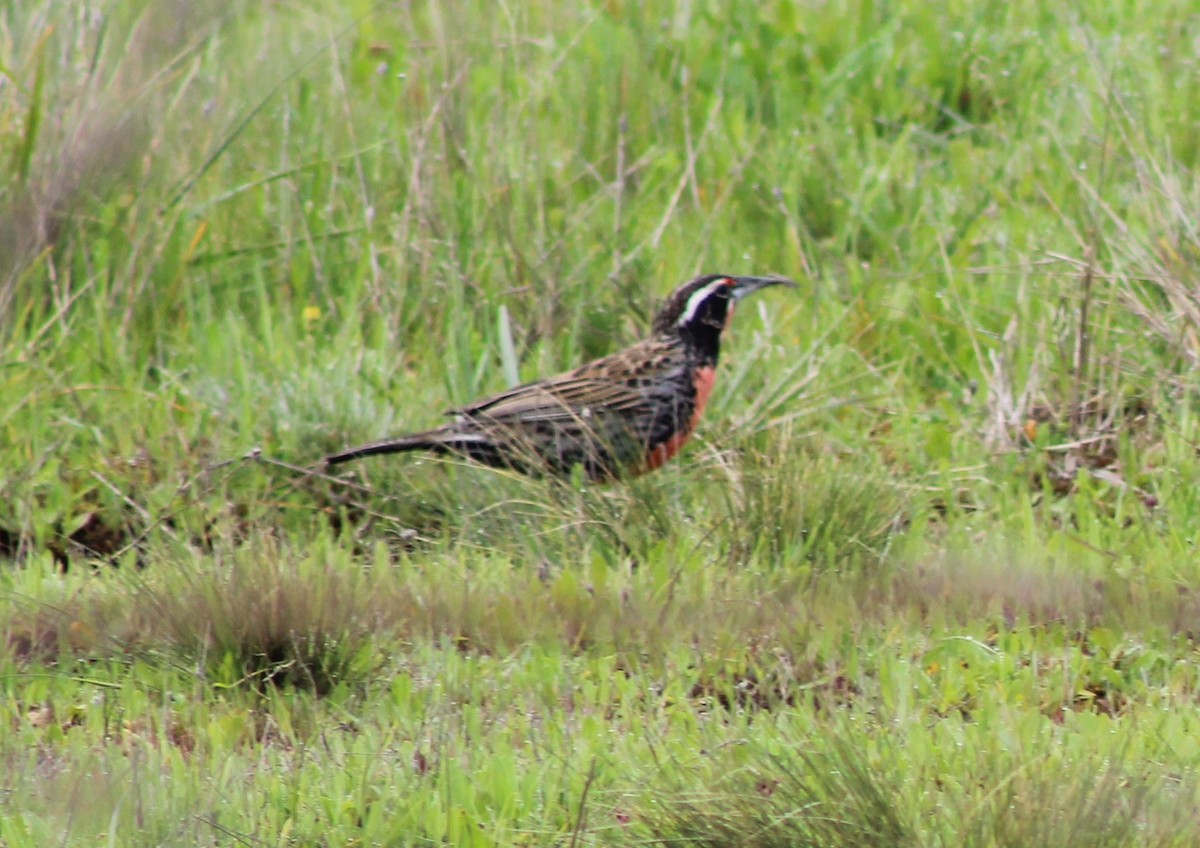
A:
(607, 415)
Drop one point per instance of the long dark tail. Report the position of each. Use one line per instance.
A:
(437, 441)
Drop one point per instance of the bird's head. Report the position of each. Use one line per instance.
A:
(701, 308)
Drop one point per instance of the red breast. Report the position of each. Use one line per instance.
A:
(703, 379)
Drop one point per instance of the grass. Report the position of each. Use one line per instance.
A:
(926, 576)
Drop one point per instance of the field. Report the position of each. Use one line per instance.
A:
(926, 576)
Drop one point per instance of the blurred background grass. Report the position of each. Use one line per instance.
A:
(935, 536)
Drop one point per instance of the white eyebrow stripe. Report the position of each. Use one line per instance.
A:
(697, 298)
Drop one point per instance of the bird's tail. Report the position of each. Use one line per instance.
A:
(442, 440)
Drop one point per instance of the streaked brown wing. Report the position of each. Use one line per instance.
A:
(571, 397)
(601, 415)
(612, 384)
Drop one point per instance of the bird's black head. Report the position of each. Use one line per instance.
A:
(699, 310)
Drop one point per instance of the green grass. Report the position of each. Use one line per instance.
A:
(926, 576)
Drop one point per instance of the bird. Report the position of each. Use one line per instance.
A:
(621, 415)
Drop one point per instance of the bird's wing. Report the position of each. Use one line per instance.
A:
(598, 389)
(557, 400)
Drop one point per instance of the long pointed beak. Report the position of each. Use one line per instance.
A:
(743, 286)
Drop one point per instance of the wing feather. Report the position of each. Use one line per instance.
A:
(557, 401)
(599, 388)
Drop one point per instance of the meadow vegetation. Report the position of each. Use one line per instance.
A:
(927, 576)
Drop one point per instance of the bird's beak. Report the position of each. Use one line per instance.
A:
(743, 286)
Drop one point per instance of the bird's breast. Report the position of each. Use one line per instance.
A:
(703, 379)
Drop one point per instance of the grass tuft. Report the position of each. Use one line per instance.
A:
(260, 615)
